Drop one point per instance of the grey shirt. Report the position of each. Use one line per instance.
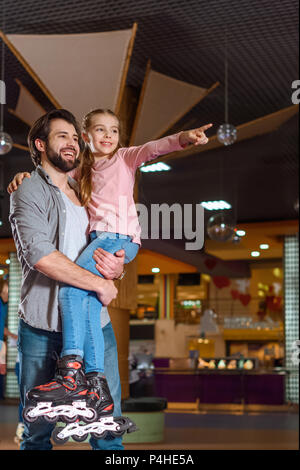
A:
(38, 220)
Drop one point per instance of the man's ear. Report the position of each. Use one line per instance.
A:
(40, 145)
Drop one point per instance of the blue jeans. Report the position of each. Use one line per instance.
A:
(37, 349)
(80, 309)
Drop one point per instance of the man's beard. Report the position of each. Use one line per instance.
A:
(57, 160)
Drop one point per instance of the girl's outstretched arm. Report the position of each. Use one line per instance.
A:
(194, 136)
(137, 155)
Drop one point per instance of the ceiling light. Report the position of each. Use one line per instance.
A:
(7, 261)
(1, 272)
(160, 166)
(155, 270)
(215, 205)
(264, 246)
(255, 254)
(240, 233)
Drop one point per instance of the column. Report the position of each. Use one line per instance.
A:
(291, 316)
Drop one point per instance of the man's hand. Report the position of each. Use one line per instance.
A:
(107, 292)
(194, 136)
(18, 178)
(109, 265)
(58, 267)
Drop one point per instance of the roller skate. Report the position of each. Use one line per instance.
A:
(116, 426)
(99, 398)
(64, 398)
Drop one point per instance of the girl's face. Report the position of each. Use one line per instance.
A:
(103, 134)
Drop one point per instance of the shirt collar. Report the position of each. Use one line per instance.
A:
(74, 185)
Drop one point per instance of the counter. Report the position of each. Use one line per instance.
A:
(263, 387)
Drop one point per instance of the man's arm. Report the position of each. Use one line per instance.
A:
(109, 265)
(30, 227)
(58, 267)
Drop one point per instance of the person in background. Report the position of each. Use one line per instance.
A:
(4, 332)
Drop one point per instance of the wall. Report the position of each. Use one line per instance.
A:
(171, 340)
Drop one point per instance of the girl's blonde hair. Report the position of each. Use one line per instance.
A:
(87, 157)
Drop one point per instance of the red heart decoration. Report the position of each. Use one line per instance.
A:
(210, 263)
(245, 299)
(234, 294)
(274, 303)
(221, 281)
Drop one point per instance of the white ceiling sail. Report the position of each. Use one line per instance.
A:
(81, 71)
(28, 108)
(163, 102)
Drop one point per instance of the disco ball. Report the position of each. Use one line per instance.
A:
(220, 227)
(236, 239)
(6, 143)
(227, 134)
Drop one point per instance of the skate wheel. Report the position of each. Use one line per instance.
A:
(57, 440)
(118, 433)
(93, 417)
(50, 419)
(69, 419)
(79, 438)
(26, 415)
(126, 425)
(100, 435)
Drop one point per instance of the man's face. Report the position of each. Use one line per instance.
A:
(62, 147)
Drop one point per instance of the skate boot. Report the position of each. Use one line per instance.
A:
(99, 398)
(64, 398)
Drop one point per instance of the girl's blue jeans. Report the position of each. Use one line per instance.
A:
(38, 350)
(80, 309)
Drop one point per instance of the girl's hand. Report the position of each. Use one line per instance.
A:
(18, 178)
(194, 136)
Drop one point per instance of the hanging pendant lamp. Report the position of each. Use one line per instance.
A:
(6, 141)
(226, 133)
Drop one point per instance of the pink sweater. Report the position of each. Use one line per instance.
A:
(112, 207)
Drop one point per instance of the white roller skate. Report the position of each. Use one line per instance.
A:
(98, 429)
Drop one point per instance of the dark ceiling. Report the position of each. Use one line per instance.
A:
(185, 40)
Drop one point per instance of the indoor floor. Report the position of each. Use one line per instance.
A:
(192, 430)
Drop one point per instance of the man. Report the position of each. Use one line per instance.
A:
(48, 240)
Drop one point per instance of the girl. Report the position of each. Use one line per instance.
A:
(106, 176)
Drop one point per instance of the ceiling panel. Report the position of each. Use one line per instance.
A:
(185, 40)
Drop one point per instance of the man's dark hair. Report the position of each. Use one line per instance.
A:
(41, 129)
